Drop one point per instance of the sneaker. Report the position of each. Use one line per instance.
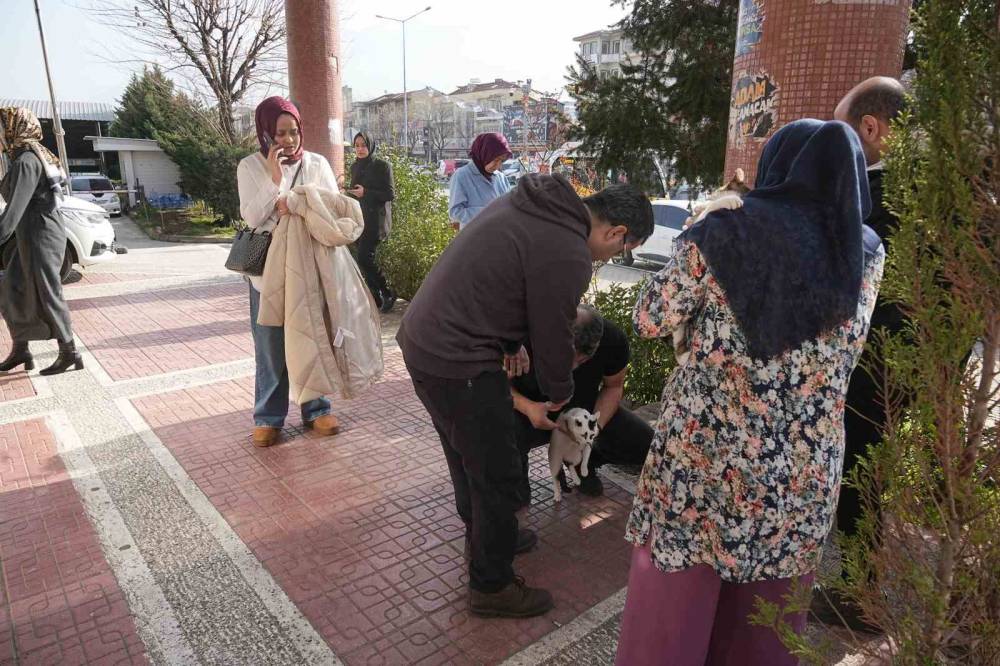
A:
(324, 425)
(526, 541)
(592, 485)
(515, 600)
(264, 436)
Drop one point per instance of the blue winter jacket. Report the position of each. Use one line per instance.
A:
(471, 192)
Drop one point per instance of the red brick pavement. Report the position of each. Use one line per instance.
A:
(59, 601)
(150, 333)
(14, 385)
(88, 278)
(360, 529)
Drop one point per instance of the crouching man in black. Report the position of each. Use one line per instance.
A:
(599, 369)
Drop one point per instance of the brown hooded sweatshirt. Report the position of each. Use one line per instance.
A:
(514, 275)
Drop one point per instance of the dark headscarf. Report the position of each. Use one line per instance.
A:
(790, 260)
(486, 148)
(266, 119)
(360, 166)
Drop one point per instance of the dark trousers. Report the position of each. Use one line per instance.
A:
(864, 418)
(625, 440)
(366, 247)
(474, 419)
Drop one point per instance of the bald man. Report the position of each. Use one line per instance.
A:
(870, 107)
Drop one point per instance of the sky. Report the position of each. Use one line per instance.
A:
(455, 41)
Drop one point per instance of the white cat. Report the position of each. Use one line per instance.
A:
(571, 444)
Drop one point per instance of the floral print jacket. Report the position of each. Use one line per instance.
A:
(745, 467)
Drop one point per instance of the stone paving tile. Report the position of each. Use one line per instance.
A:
(14, 385)
(154, 332)
(87, 278)
(360, 530)
(59, 602)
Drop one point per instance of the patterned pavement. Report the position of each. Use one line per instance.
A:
(139, 525)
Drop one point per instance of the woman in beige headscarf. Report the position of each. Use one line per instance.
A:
(31, 297)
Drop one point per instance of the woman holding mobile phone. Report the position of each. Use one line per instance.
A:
(265, 179)
(371, 184)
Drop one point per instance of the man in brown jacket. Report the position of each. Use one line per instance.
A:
(514, 277)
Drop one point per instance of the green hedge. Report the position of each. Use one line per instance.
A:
(652, 360)
(420, 227)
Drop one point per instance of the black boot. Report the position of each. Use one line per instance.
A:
(68, 358)
(19, 354)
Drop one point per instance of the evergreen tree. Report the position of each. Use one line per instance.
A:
(151, 108)
(673, 102)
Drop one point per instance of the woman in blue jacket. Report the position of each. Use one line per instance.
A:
(479, 182)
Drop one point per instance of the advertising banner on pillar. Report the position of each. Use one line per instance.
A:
(750, 29)
(753, 107)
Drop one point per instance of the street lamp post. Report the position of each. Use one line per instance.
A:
(406, 111)
(56, 120)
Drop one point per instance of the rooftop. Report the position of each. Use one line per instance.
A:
(96, 111)
(475, 86)
(607, 32)
(398, 97)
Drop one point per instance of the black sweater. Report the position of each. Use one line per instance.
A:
(375, 176)
(515, 276)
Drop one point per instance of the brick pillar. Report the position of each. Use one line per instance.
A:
(314, 75)
(797, 58)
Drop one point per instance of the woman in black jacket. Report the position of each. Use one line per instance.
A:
(371, 184)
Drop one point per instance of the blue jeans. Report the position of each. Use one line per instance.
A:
(271, 386)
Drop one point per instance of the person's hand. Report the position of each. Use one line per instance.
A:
(282, 206)
(538, 414)
(274, 164)
(517, 364)
(357, 190)
(341, 181)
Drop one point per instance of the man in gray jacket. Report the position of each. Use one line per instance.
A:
(514, 277)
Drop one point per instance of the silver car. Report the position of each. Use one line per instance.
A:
(97, 189)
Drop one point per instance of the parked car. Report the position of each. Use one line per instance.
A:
(513, 169)
(90, 238)
(447, 167)
(97, 189)
(669, 216)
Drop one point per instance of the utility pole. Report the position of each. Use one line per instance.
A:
(56, 121)
(406, 110)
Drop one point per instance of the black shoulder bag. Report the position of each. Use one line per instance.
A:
(249, 250)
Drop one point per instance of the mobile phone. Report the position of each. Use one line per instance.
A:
(268, 142)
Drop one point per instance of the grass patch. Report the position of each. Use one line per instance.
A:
(198, 220)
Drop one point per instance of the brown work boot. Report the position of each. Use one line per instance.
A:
(515, 600)
(263, 436)
(325, 425)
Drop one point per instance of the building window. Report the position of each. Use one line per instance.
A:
(616, 47)
(604, 75)
(605, 48)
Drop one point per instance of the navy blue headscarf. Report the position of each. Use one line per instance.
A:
(790, 261)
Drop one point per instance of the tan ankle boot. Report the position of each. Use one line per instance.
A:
(264, 436)
(325, 425)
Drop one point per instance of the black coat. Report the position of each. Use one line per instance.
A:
(885, 224)
(375, 176)
(31, 297)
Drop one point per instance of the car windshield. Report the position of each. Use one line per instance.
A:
(669, 215)
(92, 185)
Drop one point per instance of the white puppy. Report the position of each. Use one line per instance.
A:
(570, 444)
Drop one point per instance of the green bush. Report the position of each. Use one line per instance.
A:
(420, 227)
(652, 360)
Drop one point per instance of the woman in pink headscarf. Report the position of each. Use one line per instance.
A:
(264, 181)
(479, 182)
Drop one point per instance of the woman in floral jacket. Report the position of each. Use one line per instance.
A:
(738, 492)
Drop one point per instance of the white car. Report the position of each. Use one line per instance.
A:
(669, 216)
(90, 238)
(97, 189)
